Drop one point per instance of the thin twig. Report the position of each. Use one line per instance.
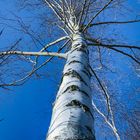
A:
(97, 15)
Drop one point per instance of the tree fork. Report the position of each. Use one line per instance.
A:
(72, 117)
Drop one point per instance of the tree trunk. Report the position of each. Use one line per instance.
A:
(72, 117)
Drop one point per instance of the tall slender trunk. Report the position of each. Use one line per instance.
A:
(72, 117)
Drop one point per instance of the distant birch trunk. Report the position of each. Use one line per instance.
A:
(72, 117)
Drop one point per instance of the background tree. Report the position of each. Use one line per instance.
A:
(79, 24)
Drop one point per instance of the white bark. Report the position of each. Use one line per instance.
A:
(72, 117)
(62, 55)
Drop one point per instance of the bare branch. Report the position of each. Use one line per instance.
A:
(106, 120)
(97, 15)
(113, 45)
(1, 31)
(58, 14)
(86, 12)
(82, 12)
(114, 22)
(13, 46)
(54, 42)
(126, 54)
(53, 8)
(103, 89)
(61, 55)
(18, 82)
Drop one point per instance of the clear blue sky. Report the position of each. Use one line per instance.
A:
(26, 110)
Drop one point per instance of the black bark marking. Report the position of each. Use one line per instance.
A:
(74, 88)
(76, 103)
(74, 46)
(79, 49)
(74, 61)
(82, 49)
(63, 76)
(86, 71)
(73, 73)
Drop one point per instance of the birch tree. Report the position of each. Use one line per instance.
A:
(73, 109)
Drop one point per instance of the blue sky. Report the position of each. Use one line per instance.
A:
(26, 110)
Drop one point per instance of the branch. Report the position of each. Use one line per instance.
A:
(15, 83)
(112, 45)
(126, 54)
(34, 69)
(82, 12)
(66, 19)
(114, 22)
(50, 44)
(54, 42)
(53, 8)
(103, 89)
(1, 31)
(58, 13)
(61, 55)
(106, 120)
(97, 15)
(100, 56)
(13, 46)
(86, 12)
